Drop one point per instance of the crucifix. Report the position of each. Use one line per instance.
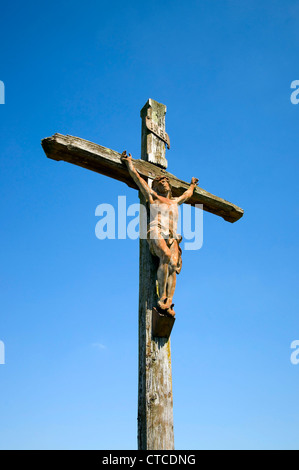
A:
(160, 255)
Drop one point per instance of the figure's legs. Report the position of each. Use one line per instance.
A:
(168, 268)
(171, 283)
(172, 273)
(160, 249)
(162, 276)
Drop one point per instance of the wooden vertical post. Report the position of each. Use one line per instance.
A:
(155, 401)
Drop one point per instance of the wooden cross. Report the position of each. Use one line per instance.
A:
(155, 402)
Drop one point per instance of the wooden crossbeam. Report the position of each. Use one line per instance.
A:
(107, 162)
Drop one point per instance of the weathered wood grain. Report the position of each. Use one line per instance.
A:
(107, 162)
(155, 401)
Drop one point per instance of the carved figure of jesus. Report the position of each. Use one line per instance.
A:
(164, 242)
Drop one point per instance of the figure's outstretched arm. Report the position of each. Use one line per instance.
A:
(141, 183)
(189, 193)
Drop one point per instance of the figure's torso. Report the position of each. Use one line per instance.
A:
(164, 216)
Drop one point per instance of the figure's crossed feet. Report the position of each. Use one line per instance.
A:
(166, 306)
(170, 310)
(162, 303)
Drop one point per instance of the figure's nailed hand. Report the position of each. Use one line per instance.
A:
(126, 158)
(194, 181)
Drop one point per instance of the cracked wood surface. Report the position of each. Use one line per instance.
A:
(155, 399)
(107, 162)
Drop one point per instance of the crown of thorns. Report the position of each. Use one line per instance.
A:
(159, 178)
(157, 181)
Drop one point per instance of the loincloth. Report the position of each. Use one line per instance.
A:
(172, 241)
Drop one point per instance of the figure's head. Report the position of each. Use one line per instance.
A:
(162, 186)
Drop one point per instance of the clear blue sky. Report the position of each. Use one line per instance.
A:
(69, 301)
